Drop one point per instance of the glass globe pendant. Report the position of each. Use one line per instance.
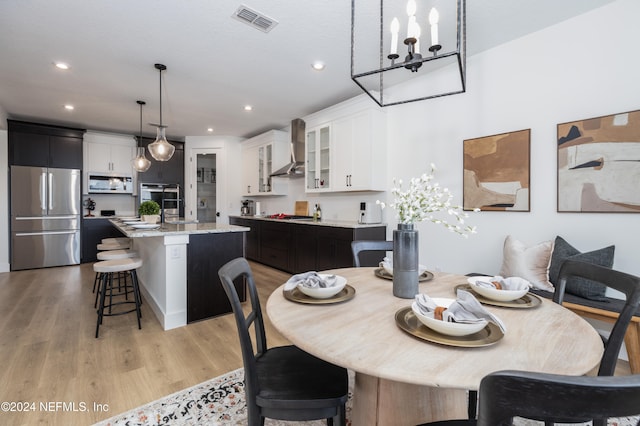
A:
(161, 149)
(141, 163)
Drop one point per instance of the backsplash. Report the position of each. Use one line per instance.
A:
(123, 204)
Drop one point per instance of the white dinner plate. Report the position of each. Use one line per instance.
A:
(132, 222)
(123, 218)
(145, 226)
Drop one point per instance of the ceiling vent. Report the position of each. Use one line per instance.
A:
(254, 19)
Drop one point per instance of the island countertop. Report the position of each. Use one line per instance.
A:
(177, 229)
(334, 223)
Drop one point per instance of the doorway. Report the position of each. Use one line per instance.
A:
(206, 183)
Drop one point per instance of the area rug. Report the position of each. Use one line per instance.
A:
(220, 402)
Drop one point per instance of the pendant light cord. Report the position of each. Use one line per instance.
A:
(161, 97)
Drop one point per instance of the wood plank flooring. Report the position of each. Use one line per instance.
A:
(49, 355)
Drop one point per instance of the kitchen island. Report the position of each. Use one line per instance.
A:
(179, 278)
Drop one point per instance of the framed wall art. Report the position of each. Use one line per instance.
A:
(599, 164)
(496, 172)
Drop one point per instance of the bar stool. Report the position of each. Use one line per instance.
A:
(107, 268)
(113, 255)
(109, 244)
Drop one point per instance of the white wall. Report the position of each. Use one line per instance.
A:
(581, 68)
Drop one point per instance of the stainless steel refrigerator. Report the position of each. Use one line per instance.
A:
(45, 217)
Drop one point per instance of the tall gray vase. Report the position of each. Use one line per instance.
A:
(405, 261)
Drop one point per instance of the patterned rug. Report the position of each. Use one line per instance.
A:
(220, 402)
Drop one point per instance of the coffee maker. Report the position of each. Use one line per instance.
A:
(370, 213)
(247, 208)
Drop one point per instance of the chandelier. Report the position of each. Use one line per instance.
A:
(429, 62)
(141, 163)
(161, 149)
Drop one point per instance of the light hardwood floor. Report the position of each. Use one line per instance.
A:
(48, 352)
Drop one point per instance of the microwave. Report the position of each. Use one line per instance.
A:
(100, 183)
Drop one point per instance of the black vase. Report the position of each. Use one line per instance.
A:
(405, 261)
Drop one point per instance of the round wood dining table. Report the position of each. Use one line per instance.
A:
(401, 379)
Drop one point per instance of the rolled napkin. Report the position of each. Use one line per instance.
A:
(500, 283)
(387, 265)
(465, 309)
(310, 279)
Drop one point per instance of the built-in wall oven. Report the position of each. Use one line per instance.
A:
(166, 195)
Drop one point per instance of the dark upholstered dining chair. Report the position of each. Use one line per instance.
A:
(368, 246)
(552, 398)
(283, 383)
(625, 283)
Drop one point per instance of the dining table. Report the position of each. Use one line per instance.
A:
(406, 374)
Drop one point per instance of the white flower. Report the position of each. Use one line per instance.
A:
(423, 198)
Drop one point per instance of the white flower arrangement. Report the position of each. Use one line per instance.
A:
(423, 199)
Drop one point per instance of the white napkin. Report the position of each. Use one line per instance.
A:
(311, 280)
(511, 283)
(387, 265)
(466, 309)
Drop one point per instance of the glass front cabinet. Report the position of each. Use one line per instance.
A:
(318, 155)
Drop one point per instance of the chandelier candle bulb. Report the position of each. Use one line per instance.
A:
(418, 33)
(434, 17)
(395, 28)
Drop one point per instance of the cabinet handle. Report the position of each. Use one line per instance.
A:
(248, 189)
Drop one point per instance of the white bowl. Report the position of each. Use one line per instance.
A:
(326, 292)
(494, 293)
(444, 327)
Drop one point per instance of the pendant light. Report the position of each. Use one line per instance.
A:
(161, 149)
(141, 163)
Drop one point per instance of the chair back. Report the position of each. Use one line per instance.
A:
(230, 272)
(625, 283)
(555, 398)
(369, 245)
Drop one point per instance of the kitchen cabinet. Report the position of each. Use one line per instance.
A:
(346, 148)
(109, 158)
(261, 156)
(33, 144)
(252, 238)
(318, 155)
(297, 247)
(93, 231)
(171, 171)
(359, 152)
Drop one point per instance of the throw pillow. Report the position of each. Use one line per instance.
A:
(575, 285)
(530, 263)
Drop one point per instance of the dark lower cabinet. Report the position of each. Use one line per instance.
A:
(92, 233)
(297, 247)
(206, 254)
(252, 238)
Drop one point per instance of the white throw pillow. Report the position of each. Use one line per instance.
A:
(531, 263)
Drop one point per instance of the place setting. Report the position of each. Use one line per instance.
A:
(318, 289)
(461, 322)
(511, 292)
(144, 225)
(385, 271)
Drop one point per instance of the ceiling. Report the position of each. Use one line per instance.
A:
(215, 64)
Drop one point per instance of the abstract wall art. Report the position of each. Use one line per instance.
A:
(599, 164)
(496, 172)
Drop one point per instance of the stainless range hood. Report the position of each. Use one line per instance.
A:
(295, 168)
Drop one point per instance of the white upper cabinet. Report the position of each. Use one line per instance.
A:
(109, 154)
(261, 156)
(347, 152)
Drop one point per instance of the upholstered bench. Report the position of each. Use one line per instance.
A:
(607, 312)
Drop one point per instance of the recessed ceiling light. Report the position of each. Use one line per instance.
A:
(248, 107)
(62, 66)
(318, 65)
(69, 107)
(210, 129)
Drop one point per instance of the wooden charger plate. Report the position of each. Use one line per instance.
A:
(295, 295)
